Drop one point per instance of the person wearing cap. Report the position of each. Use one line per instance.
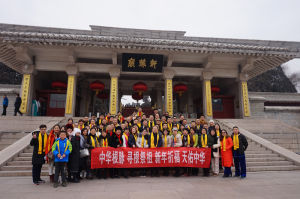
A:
(176, 142)
(240, 145)
(211, 126)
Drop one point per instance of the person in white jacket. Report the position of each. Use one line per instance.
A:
(216, 155)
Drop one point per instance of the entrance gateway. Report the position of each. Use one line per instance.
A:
(74, 72)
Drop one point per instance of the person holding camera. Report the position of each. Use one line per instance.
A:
(39, 142)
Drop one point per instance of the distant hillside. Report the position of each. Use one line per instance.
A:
(9, 76)
(272, 81)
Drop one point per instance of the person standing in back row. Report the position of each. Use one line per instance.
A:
(18, 103)
(5, 104)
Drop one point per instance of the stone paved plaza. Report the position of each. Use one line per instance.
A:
(257, 185)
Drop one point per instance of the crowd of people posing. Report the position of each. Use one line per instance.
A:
(67, 149)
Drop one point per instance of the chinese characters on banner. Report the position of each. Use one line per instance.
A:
(70, 90)
(25, 92)
(157, 157)
(245, 99)
(113, 95)
(169, 96)
(142, 62)
(208, 98)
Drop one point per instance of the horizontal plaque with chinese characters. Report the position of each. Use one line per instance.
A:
(142, 62)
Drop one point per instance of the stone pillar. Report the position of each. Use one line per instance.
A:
(168, 76)
(72, 72)
(114, 91)
(243, 96)
(27, 89)
(207, 98)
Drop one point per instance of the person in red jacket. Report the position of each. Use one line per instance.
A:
(226, 152)
(53, 135)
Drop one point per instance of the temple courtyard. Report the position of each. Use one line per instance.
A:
(257, 185)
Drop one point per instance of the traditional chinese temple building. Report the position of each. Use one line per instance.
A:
(75, 72)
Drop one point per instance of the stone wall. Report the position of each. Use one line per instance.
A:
(287, 114)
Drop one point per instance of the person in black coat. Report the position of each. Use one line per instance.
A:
(240, 145)
(116, 142)
(155, 141)
(18, 103)
(75, 157)
(38, 141)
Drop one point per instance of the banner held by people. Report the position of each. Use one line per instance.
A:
(108, 157)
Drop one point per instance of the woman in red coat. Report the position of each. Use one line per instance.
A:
(226, 151)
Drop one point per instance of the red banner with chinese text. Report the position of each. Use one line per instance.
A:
(147, 157)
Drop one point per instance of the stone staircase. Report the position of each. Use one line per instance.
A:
(21, 165)
(272, 130)
(7, 138)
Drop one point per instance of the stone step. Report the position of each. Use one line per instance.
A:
(21, 167)
(273, 168)
(25, 155)
(273, 163)
(21, 173)
(264, 159)
(22, 158)
(15, 163)
(12, 135)
(261, 155)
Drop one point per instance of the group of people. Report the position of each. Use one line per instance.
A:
(69, 147)
(17, 105)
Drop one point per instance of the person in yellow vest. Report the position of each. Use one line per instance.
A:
(240, 145)
(39, 142)
(155, 141)
(176, 142)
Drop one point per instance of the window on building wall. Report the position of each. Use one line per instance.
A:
(217, 104)
(57, 100)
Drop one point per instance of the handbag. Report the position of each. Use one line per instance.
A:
(50, 155)
(84, 153)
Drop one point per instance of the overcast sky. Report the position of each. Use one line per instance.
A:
(247, 19)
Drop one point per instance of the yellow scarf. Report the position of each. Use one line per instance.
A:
(161, 128)
(143, 139)
(81, 127)
(152, 140)
(194, 138)
(139, 125)
(166, 141)
(93, 142)
(189, 139)
(236, 144)
(67, 145)
(170, 126)
(224, 144)
(150, 125)
(100, 121)
(204, 142)
(135, 137)
(41, 144)
(218, 133)
(175, 139)
(105, 143)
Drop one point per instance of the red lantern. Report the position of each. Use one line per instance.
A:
(97, 86)
(140, 87)
(136, 96)
(180, 89)
(59, 85)
(102, 95)
(215, 89)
